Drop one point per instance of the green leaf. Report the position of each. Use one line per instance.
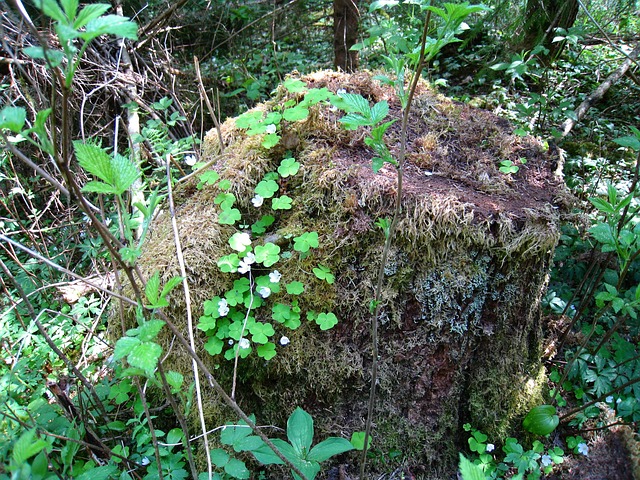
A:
(266, 456)
(267, 254)
(54, 57)
(152, 288)
(175, 380)
(357, 440)
(149, 330)
(124, 346)
(281, 203)
(237, 469)
(110, 25)
(288, 167)
(104, 472)
(208, 178)
(328, 448)
(13, 118)
(295, 114)
(249, 119)
(229, 263)
(260, 226)
(145, 356)
(270, 140)
(214, 346)
(541, 420)
(51, 9)
(300, 431)
(90, 12)
(266, 351)
(229, 216)
(326, 320)
(234, 434)
(469, 470)
(26, 447)
(379, 111)
(602, 205)
(323, 273)
(295, 288)
(266, 188)
(294, 85)
(170, 285)
(305, 241)
(629, 141)
(219, 457)
(354, 103)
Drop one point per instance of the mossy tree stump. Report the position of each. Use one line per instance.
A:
(460, 332)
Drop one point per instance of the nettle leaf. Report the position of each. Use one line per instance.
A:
(281, 203)
(294, 85)
(26, 447)
(296, 114)
(326, 321)
(51, 9)
(13, 118)
(124, 346)
(266, 188)
(469, 470)
(354, 103)
(152, 289)
(352, 121)
(149, 330)
(379, 111)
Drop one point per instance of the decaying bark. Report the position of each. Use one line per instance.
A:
(346, 17)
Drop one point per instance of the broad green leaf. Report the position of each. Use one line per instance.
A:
(170, 285)
(602, 205)
(145, 356)
(124, 346)
(295, 114)
(219, 457)
(51, 9)
(352, 121)
(267, 254)
(288, 167)
(237, 469)
(13, 118)
(98, 187)
(27, 446)
(125, 173)
(175, 380)
(541, 420)
(70, 8)
(90, 12)
(379, 111)
(469, 470)
(234, 434)
(357, 440)
(300, 431)
(104, 472)
(149, 330)
(214, 346)
(603, 233)
(326, 321)
(294, 85)
(54, 57)
(249, 119)
(355, 103)
(328, 448)
(266, 456)
(629, 141)
(111, 25)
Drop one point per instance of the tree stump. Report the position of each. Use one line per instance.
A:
(461, 331)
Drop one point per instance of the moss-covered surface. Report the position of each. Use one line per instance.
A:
(460, 329)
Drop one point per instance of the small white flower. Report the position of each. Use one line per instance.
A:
(609, 399)
(284, 341)
(257, 201)
(264, 292)
(546, 460)
(490, 447)
(223, 307)
(244, 267)
(249, 258)
(583, 448)
(271, 128)
(190, 160)
(244, 343)
(230, 342)
(145, 461)
(618, 400)
(340, 92)
(275, 276)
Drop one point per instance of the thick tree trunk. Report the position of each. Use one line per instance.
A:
(542, 18)
(346, 18)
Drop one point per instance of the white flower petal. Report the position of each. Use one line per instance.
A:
(257, 201)
(284, 341)
(271, 128)
(275, 276)
(244, 343)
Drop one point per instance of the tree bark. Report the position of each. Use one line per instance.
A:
(542, 18)
(346, 18)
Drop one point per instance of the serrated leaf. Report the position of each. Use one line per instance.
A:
(295, 114)
(124, 346)
(111, 25)
(104, 472)
(149, 330)
(219, 457)
(379, 111)
(26, 447)
(90, 12)
(237, 469)
(294, 85)
(145, 356)
(152, 289)
(170, 285)
(13, 118)
(469, 470)
(51, 9)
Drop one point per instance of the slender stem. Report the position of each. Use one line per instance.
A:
(387, 246)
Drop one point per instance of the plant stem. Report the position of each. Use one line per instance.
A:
(387, 246)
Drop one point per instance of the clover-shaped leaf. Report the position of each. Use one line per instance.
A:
(305, 241)
(295, 288)
(323, 273)
(239, 241)
(288, 167)
(266, 351)
(326, 320)
(267, 254)
(229, 263)
(229, 216)
(266, 188)
(281, 203)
